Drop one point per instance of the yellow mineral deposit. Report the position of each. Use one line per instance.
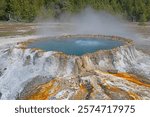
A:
(81, 93)
(131, 78)
(45, 91)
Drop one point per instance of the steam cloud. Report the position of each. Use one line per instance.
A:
(88, 21)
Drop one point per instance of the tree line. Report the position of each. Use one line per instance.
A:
(28, 10)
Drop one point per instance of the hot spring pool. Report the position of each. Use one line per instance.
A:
(75, 46)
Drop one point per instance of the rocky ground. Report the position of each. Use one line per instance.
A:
(32, 74)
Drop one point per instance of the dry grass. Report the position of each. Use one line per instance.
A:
(13, 29)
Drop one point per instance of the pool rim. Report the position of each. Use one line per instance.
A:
(126, 43)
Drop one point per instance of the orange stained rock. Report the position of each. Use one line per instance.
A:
(81, 93)
(131, 78)
(132, 95)
(34, 49)
(45, 91)
(26, 43)
(112, 88)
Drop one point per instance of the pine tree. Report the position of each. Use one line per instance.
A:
(28, 10)
(3, 6)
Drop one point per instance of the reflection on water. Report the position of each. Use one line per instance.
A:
(75, 46)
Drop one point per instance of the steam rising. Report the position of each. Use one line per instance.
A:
(88, 43)
(88, 21)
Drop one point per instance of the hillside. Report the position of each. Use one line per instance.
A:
(28, 10)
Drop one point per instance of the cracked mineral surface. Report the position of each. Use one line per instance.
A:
(33, 74)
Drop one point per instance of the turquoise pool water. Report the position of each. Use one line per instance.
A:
(75, 46)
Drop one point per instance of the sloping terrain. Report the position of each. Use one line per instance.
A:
(120, 73)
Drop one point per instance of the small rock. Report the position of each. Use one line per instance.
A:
(5, 69)
(112, 71)
(0, 95)
(1, 73)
